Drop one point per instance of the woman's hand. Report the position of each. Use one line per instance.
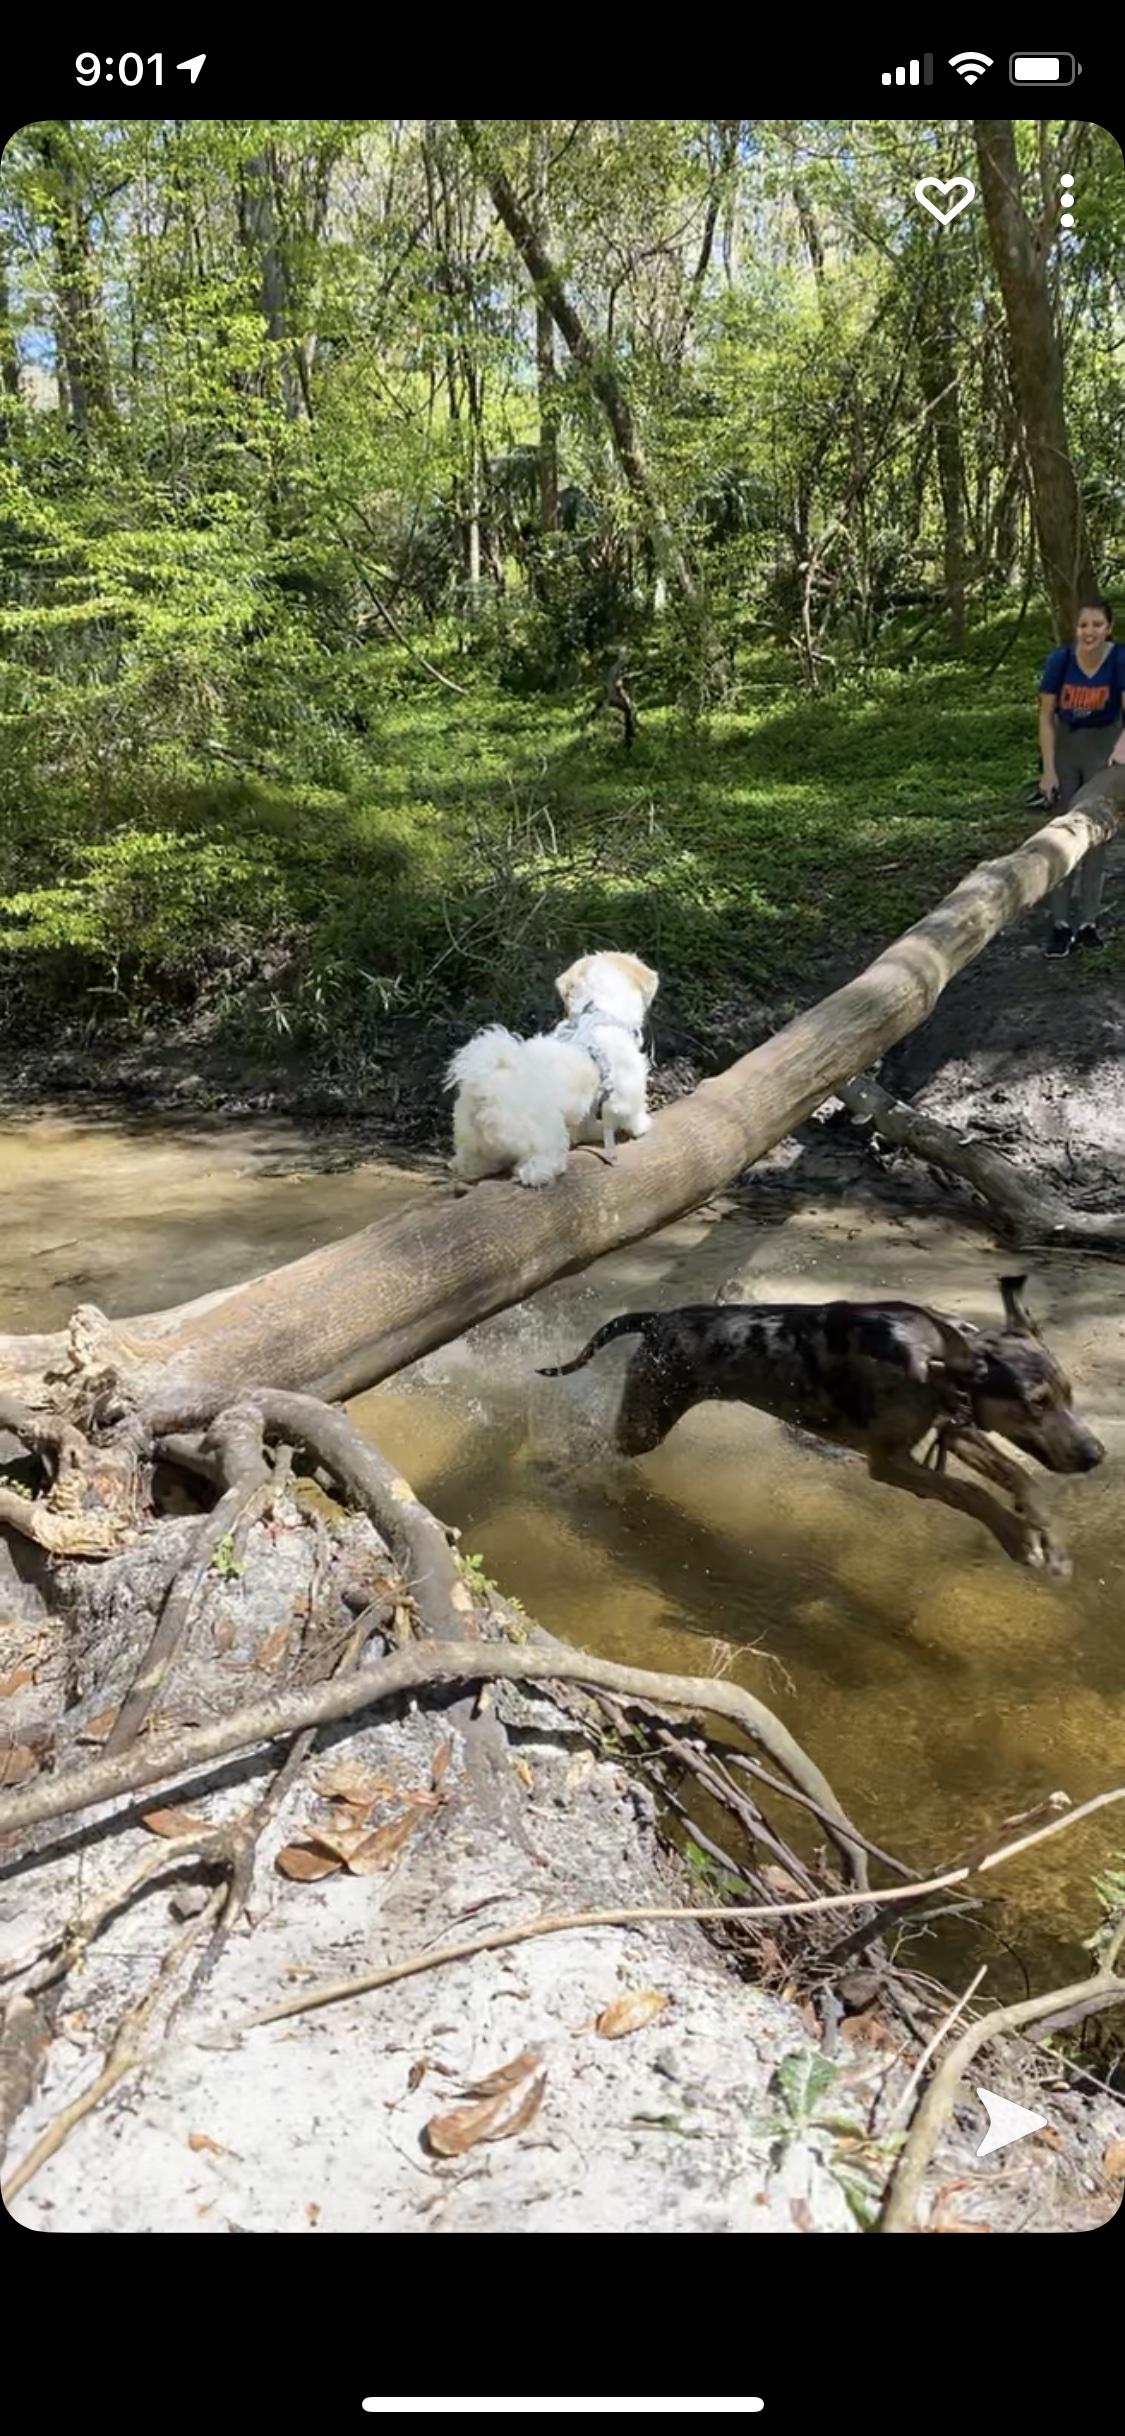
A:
(1050, 786)
(1117, 757)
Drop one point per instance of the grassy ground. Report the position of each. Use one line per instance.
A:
(469, 843)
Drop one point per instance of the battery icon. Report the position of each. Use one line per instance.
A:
(1037, 68)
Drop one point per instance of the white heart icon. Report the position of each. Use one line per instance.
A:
(962, 188)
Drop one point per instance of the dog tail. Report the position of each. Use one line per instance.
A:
(489, 1052)
(630, 1323)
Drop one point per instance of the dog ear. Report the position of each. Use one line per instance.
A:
(647, 981)
(1018, 1317)
(961, 1360)
(571, 981)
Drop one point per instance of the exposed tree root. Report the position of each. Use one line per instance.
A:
(408, 1670)
(1028, 1212)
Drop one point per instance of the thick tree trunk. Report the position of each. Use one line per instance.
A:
(546, 370)
(348, 1315)
(82, 341)
(606, 383)
(262, 237)
(1035, 358)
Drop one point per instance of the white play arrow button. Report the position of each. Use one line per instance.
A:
(1006, 2122)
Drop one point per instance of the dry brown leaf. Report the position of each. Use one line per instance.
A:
(203, 2140)
(417, 2072)
(374, 1852)
(347, 1780)
(304, 1861)
(441, 1763)
(273, 1647)
(312, 2210)
(174, 1822)
(1113, 2160)
(631, 2012)
(866, 2030)
(225, 1633)
(97, 1728)
(506, 2076)
(15, 1681)
(498, 2118)
(520, 1768)
(802, 2215)
(17, 1762)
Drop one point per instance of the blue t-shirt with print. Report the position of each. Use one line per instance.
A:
(1082, 701)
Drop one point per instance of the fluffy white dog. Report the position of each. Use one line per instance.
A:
(522, 1103)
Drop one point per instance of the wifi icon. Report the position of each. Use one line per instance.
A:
(970, 65)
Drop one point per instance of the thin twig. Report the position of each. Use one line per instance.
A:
(1088, 1995)
(930, 2049)
(336, 1991)
(125, 2055)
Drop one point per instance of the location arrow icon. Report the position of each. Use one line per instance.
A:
(1006, 2122)
(193, 67)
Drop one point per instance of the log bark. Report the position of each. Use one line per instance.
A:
(353, 1312)
(1028, 1212)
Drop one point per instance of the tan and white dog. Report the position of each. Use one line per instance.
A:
(521, 1104)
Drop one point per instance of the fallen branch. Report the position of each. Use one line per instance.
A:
(1030, 1213)
(550, 1924)
(362, 1983)
(409, 1670)
(354, 1311)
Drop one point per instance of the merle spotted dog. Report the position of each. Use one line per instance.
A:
(878, 1377)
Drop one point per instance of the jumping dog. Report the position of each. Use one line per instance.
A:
(877, 1377)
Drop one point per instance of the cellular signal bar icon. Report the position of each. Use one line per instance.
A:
(918, 72)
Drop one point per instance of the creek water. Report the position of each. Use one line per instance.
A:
(939, 1686)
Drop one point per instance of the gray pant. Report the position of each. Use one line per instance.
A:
(1080, 754)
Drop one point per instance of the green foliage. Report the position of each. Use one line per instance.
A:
(296, 674)
(801, 2088)
(225, 1563)
(1109, 1887)
(141, 910)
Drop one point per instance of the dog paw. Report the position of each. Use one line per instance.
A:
(534, 1173)
(1044, 1555)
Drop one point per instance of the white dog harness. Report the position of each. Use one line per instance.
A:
(581, 1029)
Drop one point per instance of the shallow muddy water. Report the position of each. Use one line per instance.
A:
(939, 1686)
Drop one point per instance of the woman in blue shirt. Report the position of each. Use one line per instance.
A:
(1081, 695)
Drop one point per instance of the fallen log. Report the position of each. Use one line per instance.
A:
(337, 1321)
(1027, 1212)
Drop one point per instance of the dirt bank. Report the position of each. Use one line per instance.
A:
(728, 2108)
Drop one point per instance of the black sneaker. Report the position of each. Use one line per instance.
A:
(1089, 936)
(1061, 940)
